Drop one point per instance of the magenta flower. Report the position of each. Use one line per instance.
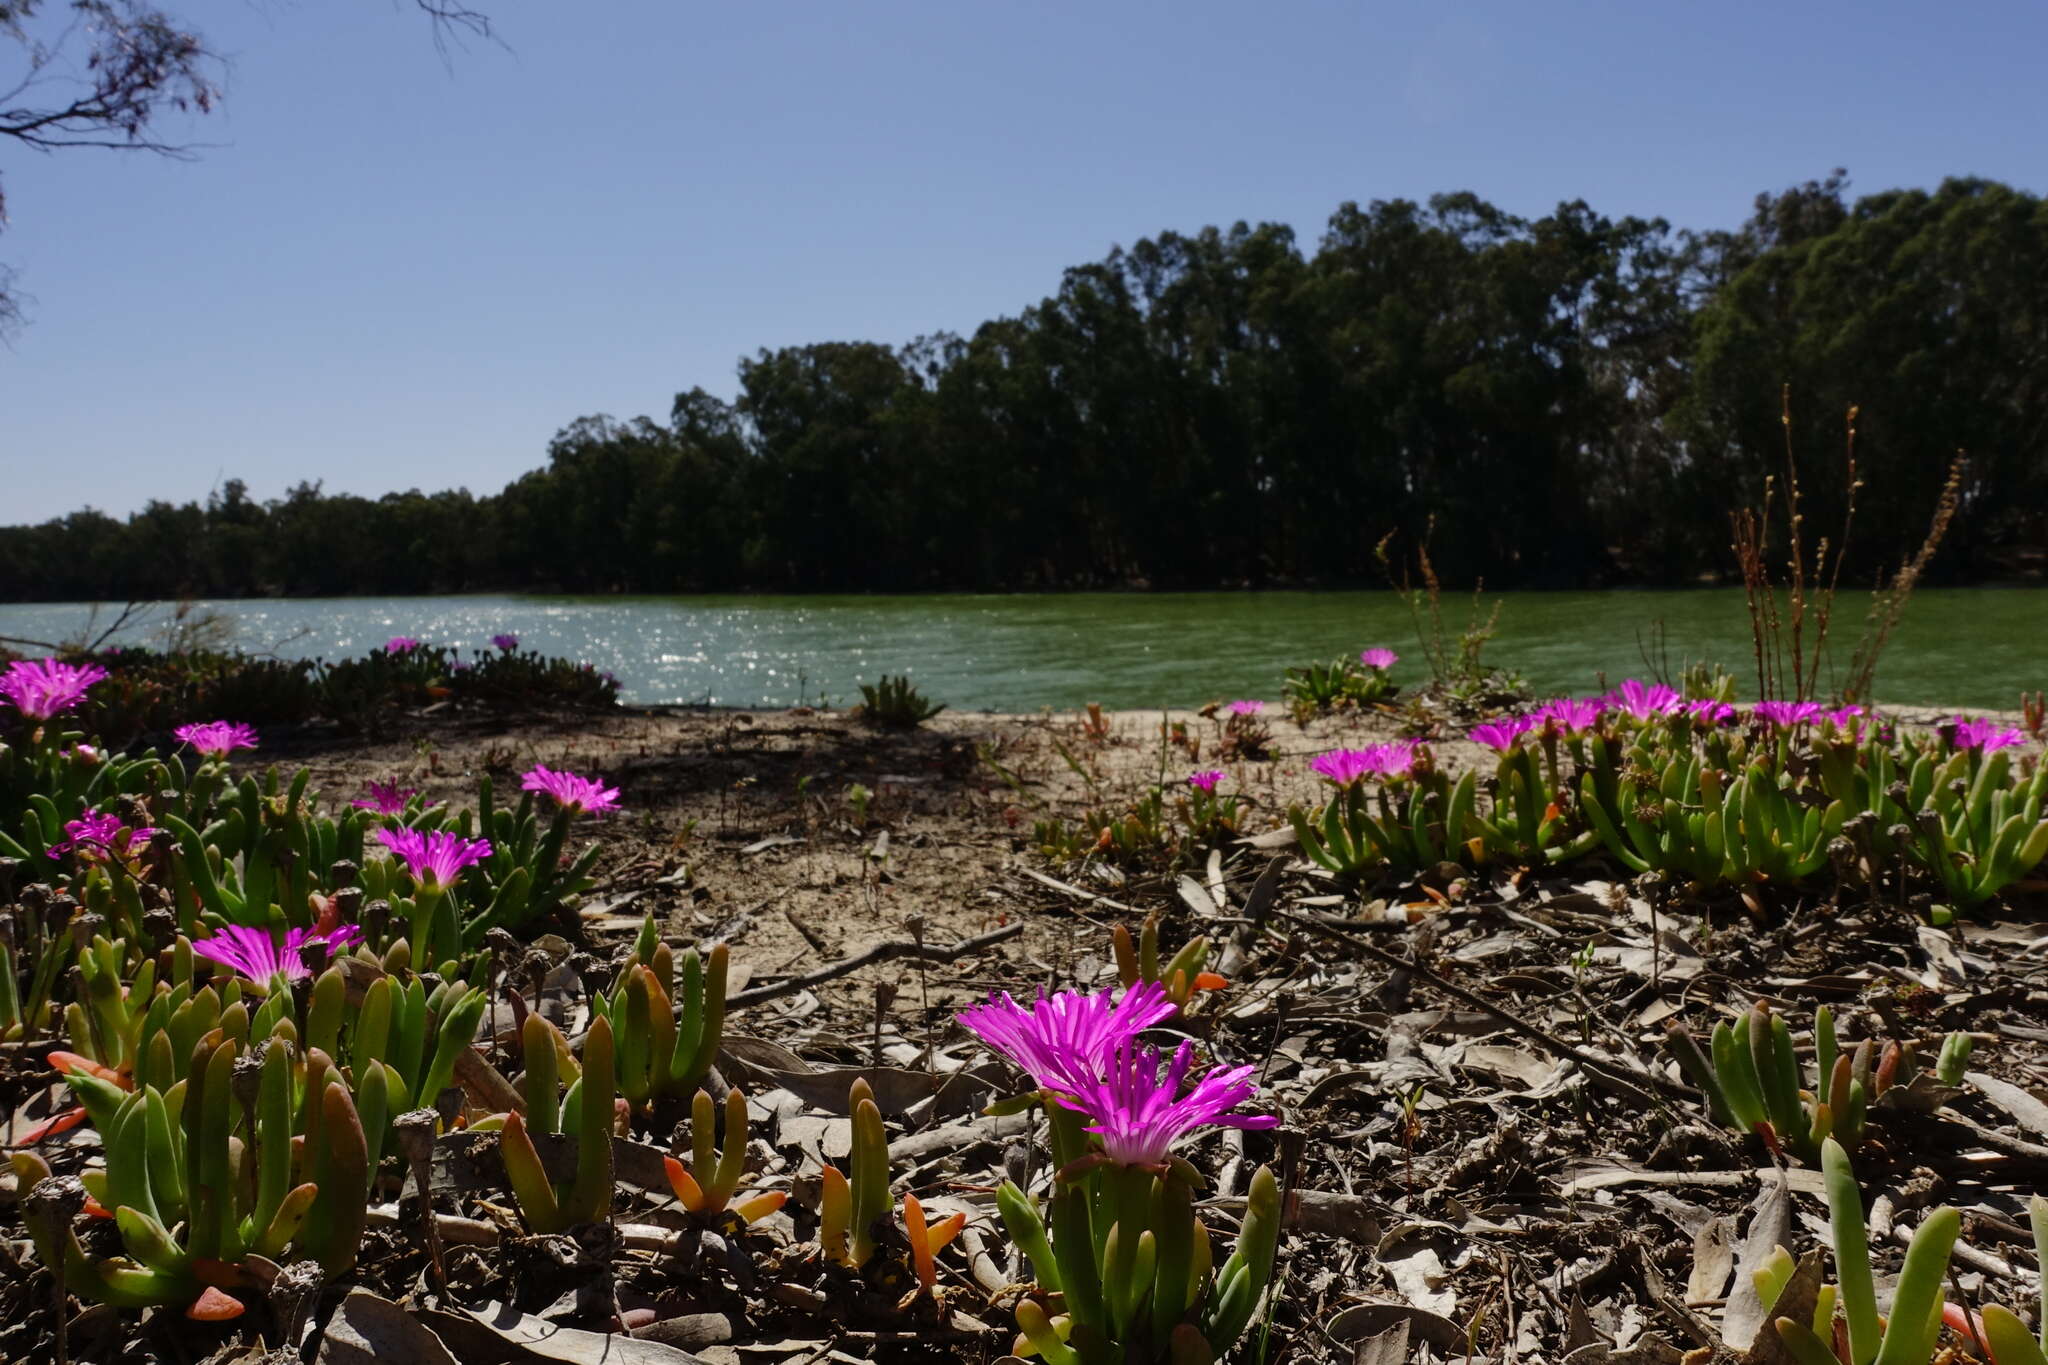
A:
(508, 643)
(42, 688)
(1786, 714)
(1843, 717)
(571, 792)
(1346, 766)
(260, 957)
(386, 798)
(1376, 657)
(1066, 1041)
(435, 858)
(1343, 766)
(1246, 708)
(1644, 700)
(97, 834)
(1571, 715)
(1206, 779)
(1708, 712)
(1502, 734)
(1392, 760)
(217, 738)
(401, 644)
(1985, 735)
(1140, 1115)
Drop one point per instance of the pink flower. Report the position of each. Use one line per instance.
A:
(1392, 760)
(42, 688)
(435, 858)
(1140, 1115)
(1643, 700)
(1346, 766)
(1206, 779)
(1848, 720)
(1065, 1041)
(386, 798)
(1786, 714)
(508, 643)
(1708, 712)
(1571, 715)
(260, 957)
(1246, 708)
(570, 791)
(1343, 766)
(217, 738)
(401, 644)
(1502, 734)
(1985, 735)
(97, 834)
(1376, 657)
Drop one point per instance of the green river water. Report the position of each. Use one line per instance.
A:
(1976, 647)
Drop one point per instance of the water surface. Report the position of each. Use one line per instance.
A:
(1975, 647)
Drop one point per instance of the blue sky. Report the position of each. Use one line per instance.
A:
(387, 271)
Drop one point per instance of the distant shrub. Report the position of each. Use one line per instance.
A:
(147, 691)
(895, 704)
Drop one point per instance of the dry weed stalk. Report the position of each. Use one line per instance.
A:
(1888, 599)
(1779, 636)
(1784, 656)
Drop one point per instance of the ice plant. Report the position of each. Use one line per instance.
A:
(258, 955)
(1246, 707)
(1066, 1041)
(253, 1175)
(587, 1197)
(705, 1187)
(97, 834)
(1378, 657)
(1786, 714)
(1643, 701)
(668, 1024)
(42, 688)
(1985, 736)
(216, 739)
(1182, 975)
(508, 643)
(1131, 1263)
(434, 857)
(1344, 766)
(401, 644)
(1501, 735)
(1206, 780)
(1709, 712)
(849, 1209)
(1393, 759)
(1140, 1114)
(572, 793)
(1571, 715)
(386, 798)
(1752, 1079)
(1909, 1333)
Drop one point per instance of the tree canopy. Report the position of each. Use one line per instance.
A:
(1569, 400)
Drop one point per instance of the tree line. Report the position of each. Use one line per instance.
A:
(1573, 400)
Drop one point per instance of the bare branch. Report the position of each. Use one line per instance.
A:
(106, 75)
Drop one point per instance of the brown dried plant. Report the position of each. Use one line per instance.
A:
(1789, 623)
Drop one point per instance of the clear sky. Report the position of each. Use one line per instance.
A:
(389, 271)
